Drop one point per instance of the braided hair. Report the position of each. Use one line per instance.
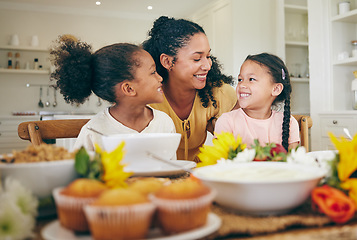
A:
(169, 35)
(79, 72)
(280, 74)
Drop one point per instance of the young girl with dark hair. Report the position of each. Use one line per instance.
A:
(196, 92)
(263, 83)
(122, 74)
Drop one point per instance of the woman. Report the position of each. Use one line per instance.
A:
(196, 93)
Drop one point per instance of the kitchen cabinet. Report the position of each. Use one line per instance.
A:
(9, 139)
(27, 56)
(293, 47)
(335, 123)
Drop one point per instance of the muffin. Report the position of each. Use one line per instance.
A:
(183, 205)
(148, 185)
(120, 214)
(71, 199)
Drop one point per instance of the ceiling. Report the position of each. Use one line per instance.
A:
(178, 8)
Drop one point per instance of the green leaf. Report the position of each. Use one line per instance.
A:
(82, 162)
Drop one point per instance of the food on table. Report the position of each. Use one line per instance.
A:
(120, 214)
(148, 185)
(257, 174)
(183, 205)
(71, 199)
(41, 153)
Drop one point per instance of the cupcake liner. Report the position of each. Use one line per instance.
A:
(178, 205)
(119, 222)
(176, 216)
(70, 210)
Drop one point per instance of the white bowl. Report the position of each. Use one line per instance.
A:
(163, 145)
(40, 177)
(261, 188)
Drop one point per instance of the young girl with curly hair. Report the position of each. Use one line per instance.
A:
(196, 92)
(263, 83)
(122, 74)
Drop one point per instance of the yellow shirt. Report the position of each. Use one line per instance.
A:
(199, 120)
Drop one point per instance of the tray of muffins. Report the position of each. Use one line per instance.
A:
(147, 208)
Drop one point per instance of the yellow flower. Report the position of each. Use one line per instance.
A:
(114, 175)
(223, 146)
(348, 156)
(351, 186)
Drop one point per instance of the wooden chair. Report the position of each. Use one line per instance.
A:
(305, 122)
(37, 131)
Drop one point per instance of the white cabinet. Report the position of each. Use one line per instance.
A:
(343, 30)
(27, 56)
(335, 123)
(9, 139)
(295, 51)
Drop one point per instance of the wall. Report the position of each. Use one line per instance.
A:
(237, 28)
(96, 30)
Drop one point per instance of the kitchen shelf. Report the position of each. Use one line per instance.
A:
(23, 48)
(24, 71)
(350, 17)
(297, 43)
(295, 9)
(299, 80)
(346, 62)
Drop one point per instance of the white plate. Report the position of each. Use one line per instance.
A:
(164, 169)
(54, 231)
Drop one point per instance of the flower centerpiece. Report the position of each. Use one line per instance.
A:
(337, 197)
(227, 147)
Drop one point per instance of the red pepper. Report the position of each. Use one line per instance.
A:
(334, 203)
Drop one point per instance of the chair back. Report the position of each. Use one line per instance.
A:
(37, 131)
(305, 122)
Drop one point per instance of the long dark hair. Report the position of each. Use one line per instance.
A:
(169, 35)
(280, 74)
(79, 72)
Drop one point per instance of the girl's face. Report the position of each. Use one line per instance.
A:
(192, 63)
(147, 82)
(256, 88)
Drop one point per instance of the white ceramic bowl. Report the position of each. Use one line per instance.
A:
(261, 188)
(40, 177)
(163, 145)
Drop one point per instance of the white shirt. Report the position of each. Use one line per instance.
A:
(105, 123)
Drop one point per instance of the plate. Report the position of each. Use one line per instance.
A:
(54, 231)
(164, 169)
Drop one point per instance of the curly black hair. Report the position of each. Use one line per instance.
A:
(79, 72)
(280, 74)
(169, 35)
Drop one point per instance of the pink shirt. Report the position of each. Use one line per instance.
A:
(265, 130)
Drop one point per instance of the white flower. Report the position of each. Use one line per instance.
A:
(299, 156)
(14, 225)
(247, 155)
(21, 196)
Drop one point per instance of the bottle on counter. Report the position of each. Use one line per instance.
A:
(35, 65)
(17, 62)
(9, 60)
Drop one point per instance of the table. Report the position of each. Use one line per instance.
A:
(301, 223)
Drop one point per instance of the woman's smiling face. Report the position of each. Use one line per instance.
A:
(193, 62)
